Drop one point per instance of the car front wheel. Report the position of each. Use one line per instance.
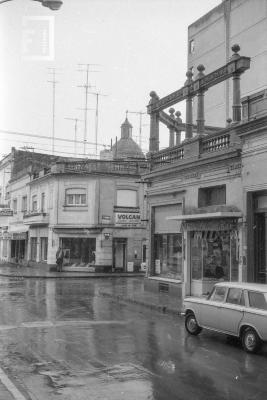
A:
(251, 341)
(191, 324)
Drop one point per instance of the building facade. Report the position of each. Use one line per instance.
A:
(93, 209)
(198, 213)
(210, 39)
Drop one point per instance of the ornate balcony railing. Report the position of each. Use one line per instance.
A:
(167, 156)
(216, 143)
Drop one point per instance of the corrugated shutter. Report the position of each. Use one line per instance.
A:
(162, 225)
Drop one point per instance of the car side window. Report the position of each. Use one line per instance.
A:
(218, 294)
(235, 296)
(257, 300)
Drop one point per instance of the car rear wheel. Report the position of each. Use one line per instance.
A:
(251, 341)
(191, 324)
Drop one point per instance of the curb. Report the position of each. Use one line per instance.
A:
(157, 307)
(67, 275)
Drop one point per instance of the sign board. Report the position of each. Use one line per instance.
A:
(127, 218)
(219, 75)
(6, 212)
(106, 219)
(130, 266)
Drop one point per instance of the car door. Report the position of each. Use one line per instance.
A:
(209, 312)
(232, 311)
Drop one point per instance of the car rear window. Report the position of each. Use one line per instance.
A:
(258, 300)
(218, 294)
(235, 296)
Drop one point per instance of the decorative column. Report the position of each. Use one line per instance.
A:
(189, 106)
(178, 132)
(171, 128)
(154, 125)
(200, 103)
(236, 87)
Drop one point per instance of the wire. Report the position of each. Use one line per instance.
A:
(8, 132)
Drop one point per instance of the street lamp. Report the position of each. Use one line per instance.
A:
(52, 4)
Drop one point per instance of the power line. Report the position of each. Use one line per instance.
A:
(8, 132)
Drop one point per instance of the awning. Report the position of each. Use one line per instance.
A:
(211, 215)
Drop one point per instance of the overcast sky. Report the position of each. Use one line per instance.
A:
(140, 45)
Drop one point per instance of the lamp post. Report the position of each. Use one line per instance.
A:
(52, 4)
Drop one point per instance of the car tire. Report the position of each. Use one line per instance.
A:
(191, 324)
(250, 341)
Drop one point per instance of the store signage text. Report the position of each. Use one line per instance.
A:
(7, 212)
(127, 218)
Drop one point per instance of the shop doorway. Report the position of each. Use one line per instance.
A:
(259, 246)
(119, 254)
(18, 250)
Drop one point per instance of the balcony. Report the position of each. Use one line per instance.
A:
(35, 218)
(200, 146)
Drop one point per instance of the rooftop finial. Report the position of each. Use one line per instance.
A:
(235, 48)
(189, 75)
(201, 70)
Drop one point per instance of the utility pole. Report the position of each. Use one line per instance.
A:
(75, 132)
(53, 82)
(97, 94)
(140, 113)
(86, 86)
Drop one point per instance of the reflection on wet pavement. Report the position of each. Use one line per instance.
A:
(63, 339)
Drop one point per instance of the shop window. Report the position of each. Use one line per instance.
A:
(126, 198)
(24, 203)
(214, 255)
(212, 196)
(15, 206)
(44, 247)
(168, 255)
(34, 203)
(79, 250)
(75, 197)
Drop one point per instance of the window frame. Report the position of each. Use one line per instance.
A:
(33, 202)
(79, 199)
(214, 292)
(205, 194)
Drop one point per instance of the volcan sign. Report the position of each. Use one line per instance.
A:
(127, 218)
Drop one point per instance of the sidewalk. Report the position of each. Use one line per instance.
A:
(117, 286)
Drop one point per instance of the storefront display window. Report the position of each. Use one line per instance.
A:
(79, 250)
(168, 255)
(214, 255)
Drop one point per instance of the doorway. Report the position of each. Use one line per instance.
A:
(119, 254)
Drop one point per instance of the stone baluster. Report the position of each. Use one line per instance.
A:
(154, 126)
(189, 106)
(171, 128)
(200, 103)
(236, 87)
(178, 132)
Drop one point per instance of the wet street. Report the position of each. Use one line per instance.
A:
(63, 339)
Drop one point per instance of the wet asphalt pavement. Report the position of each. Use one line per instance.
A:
(62, 339)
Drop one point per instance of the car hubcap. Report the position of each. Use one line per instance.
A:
(192, 324)
(250, 341)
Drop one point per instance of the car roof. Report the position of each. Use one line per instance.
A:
(244, 285)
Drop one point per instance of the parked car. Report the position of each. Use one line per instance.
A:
(235, 309)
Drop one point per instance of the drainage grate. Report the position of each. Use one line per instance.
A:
(163, 287)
